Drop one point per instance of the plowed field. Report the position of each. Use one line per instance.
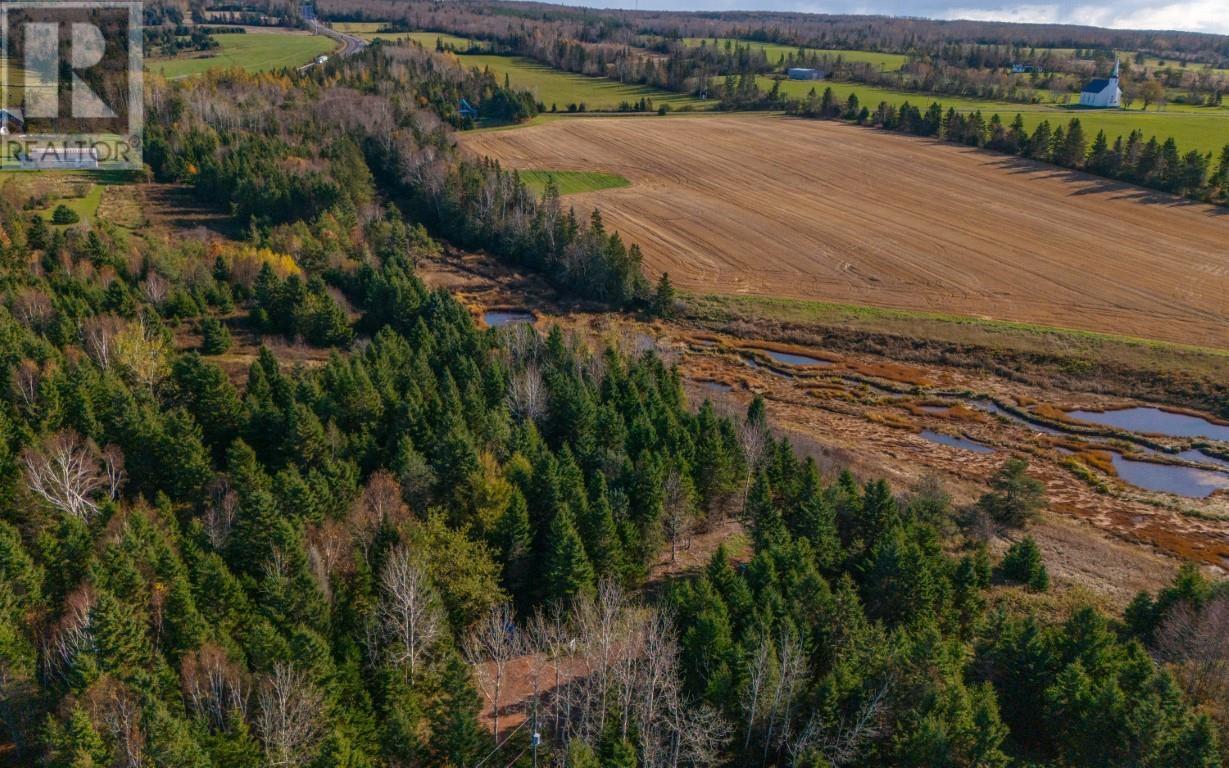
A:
(819, 210)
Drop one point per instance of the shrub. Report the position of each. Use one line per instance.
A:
(64, 215)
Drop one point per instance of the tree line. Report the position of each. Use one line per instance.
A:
(1151, 163)
(390, 110)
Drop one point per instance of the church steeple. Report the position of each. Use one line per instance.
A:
(1114, 75)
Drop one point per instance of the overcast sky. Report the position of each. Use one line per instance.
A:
(1190, 15)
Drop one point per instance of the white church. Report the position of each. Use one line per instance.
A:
(1103, 92)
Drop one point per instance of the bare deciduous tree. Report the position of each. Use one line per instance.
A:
(527, 393)
(71, 635)
(155, 288)
(379, 504)
(214, 687)
(679, 507)
(753, 436)
(220, 512)
(98, 336)
(1195, 643)
(113, 470)
(410, 618)
(288, 716)
(27, 378)
(32, 308)
(491, 644)
(64, 472)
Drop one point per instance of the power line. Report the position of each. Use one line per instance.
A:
(501, 744)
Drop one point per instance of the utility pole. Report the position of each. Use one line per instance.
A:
(535, 738)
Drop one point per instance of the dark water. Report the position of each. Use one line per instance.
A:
(1166, 478)
(1155, 421)
(495, 317)
(956, 442)
(935, 408)
(788, 359)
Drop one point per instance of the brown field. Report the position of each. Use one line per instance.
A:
(775, 206)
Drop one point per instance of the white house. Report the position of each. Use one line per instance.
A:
(1103, 92)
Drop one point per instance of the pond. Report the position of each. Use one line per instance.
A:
(789, 359)
(1154, 421)
(1167, 478)
(956, 442)
(499, 317)
(1198, 456)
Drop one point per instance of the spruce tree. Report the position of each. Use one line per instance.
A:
(566, 571)
(456, 737)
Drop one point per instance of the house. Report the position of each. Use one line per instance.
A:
(321, 59)
(1102, 93)
(467, 110)
(12, 120)
(804, 73)
(1020, 69)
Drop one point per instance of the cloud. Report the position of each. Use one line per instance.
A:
(1187, 15)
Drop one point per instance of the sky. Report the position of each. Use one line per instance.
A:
(1188, 15)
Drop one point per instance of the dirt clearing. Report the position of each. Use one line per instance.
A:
(822, 210)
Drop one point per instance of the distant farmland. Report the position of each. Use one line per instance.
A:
(1203, 128)
(254, 51)
(774, 52)
(554, 87)
(773, 206)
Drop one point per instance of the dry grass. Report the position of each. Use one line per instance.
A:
(777, 207)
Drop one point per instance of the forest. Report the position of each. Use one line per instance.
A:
(337, 564)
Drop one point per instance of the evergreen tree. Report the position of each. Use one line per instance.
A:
(1023, 564)
(456, 737)
(566, 571)
(664, 296)
(215, 337)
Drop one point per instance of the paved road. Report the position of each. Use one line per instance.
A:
(350, 44)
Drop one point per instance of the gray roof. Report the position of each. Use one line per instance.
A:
(1098, 85)
(14, 113)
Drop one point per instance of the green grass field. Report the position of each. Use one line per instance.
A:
(553, 87)
(775, 51)
(427, 39)
(255, 52)
(572, 182)
(1204, 129)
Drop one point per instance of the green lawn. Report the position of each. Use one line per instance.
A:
(427, 39)
(1205, 129)
(553, 87)
(85, 207)
(254, 51)
(775, 51)
(572, 182)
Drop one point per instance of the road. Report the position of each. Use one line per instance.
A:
(350, 44)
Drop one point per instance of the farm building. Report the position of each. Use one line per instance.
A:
(467, 110)
(12, 120)
(1103, 92)
(805, 73)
